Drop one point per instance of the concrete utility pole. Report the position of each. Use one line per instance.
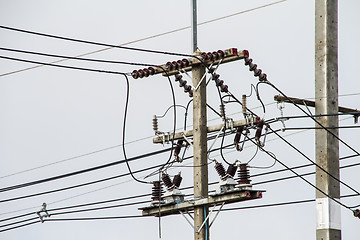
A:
(326, 95)
(200, 138)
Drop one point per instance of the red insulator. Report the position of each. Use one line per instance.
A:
(224, 88)
(175, 65)
(243, 173)
(187, 88)
(181, 64)
(178, 77)
(220, 169)
(231, 170)
(210, 56)
(262, 77)
(252, 67)
(169, 66)
(186, 62)
(141, 73)
(219, 82)
(246, 53)
(178, 147)
(146, 72)
(151, 70)
(204, 56)
(157, 191)
(257, 72)
(215, 77)
(221, 54)
(182, 83)
(248, 61)
(215, 55)
(211, 70)
(135, 74)
(167, 181)
(177, 180)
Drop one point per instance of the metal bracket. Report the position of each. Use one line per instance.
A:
(206, 219)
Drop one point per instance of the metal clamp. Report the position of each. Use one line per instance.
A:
(42, 216)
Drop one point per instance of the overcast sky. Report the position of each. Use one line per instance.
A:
(49, 115)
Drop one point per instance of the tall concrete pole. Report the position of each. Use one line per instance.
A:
(200, 138)
(326, 94)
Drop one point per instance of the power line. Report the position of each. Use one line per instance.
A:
(63, 66)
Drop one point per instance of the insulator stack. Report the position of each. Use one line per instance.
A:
(244, 104)
(243, 173)
(220, 83)
(155, 124)
(177, 180)
(231, 170)
(157, 192)
(253, 67)
(220, 169)
(237, 137)
(212, 56)
(222, 111)
(140, 73)
(183, 83)
(176, 65)
(260, 125)
(167, 181)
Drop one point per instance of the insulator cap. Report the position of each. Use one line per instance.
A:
(210, 56)
(257, 72)
(215, 76)
(177, 180)
(151, 70)
(231, 170)
(252, 67)
(135, 74)
(186, 62)
(182, 83)
(169, 66)
(215, 55)
(187, 88)
(263, 77)
(221, 54)
(248, 61)
(178, 77)
(141, 73)
(224, 88)
(219, 82)
(204, 56)
(146, 72)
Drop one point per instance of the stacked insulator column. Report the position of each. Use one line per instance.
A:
(243, 173)
(231, 170)
(157, 193)
(183, 83)
(253, 67)
(220, 83)
(220, 170)
(177, 180)
(176, 65)
(212, 56)
(170, 185)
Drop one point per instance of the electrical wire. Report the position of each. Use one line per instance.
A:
(62, 66)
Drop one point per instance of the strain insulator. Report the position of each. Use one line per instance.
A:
(167, 181)
(155, 124)
(211, 70)
(141, 73)
(169, 66)
(215, 55)
(257, 72)
(220, 169)
(210, 56)
(215, 77)
(222, 111)
(252, 67)
(178, 148)
(244, 104)
(157, 192)
(186, 62)
(219, 82)
(224, 88)
(243, 173)
(135, 74)
(151, 70)
(178, 77)
(187, 88)
(262, 77)
(221, 54)
(146, 72)
(182, 83)
(248, 61)
(231, 170)
(177, 180)
(237, 137)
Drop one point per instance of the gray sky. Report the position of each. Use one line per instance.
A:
(49, 115)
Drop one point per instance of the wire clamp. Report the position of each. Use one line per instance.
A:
(356, 213)
(43, 210)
